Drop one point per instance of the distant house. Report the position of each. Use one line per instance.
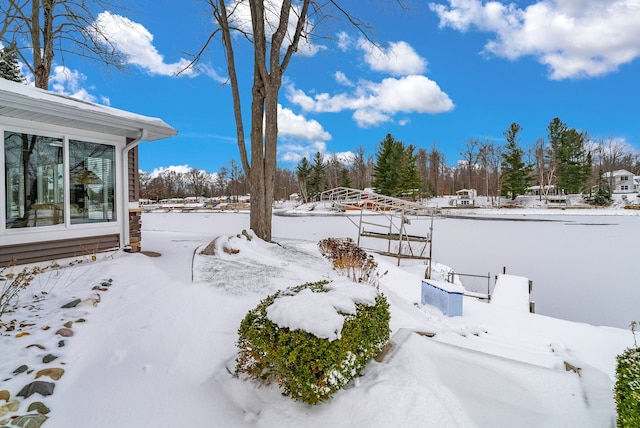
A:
(69, 182)
(546, 190)
(621, 181)
(466, 197)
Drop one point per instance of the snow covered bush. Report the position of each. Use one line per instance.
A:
(627, 387)
(292, 339)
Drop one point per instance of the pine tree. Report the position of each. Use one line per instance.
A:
(317, 177)
(303, 171)
(395, 171)
(515, 173)
(9, 66)
(569, 156)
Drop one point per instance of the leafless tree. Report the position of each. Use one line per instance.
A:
(276, 31)
(469, 153)
(197, 179)
(40, 29)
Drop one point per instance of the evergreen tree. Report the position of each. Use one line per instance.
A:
(345, 180)
(9, 67)
(317, 177)
(395, 171)
(409, 176)
(515, 173)
(569, 155)
(303, 172)
(602, 194)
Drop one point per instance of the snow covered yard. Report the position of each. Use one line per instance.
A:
(158, 347)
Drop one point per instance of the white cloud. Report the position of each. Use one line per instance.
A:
(574, 39)
(375, 103)
(343, 41)
(398, 59)
(294, 152)
(136, 43)
(299, 136)
(180, 169)
(291, 125)
(69, 82)
(342, 79)
(241, 18)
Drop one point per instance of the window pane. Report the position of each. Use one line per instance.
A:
(33, 181)
(92, 182)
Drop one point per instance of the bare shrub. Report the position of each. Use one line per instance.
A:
(11, 285)
(351, 260)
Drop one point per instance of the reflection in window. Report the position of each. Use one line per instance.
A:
(92, 182)
(34, 182)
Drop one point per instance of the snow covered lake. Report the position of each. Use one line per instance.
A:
(582, 266)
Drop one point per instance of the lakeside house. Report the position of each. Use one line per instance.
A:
(466, 197)
(622, 181)
(69, 183)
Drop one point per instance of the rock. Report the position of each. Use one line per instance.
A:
(72, 304)
(53, 372)
(46, 327)
(93, 301)
(65, 332)
(81, 320)
(23, 368)
(68, 324)
(98, 288)
(48, 358)
(35, 345)
(23, 333)
(37, 387)
(61, 344)
(38, 407)
(30, 421)
(11, 406)
(5, 395)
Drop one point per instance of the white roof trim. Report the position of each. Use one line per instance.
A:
(27, 102)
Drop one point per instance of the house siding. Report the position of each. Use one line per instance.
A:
(34, 252)
(134, 176)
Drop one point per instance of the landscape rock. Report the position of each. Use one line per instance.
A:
(72, 304)
(48, 358)
(36, 345)
(37, 387)
(61, 344)
(5, 395)
(68, 324)
(65, 332)
(30, 421)
(23, 368)
(38, 407)
(11, 406)
(53, 372)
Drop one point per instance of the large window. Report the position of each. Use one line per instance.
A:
(33, 180)
(91, 177)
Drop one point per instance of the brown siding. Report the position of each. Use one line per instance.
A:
(134, 178)
(59, 249)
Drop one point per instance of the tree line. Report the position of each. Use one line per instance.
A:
(566, 160)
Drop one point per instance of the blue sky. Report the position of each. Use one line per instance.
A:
(447, 71)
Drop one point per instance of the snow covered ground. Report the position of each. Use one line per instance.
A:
(155, 349)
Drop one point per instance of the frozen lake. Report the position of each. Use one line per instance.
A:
(584, 268)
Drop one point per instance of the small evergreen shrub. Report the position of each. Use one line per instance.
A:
(627, 387)
(308, 368)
